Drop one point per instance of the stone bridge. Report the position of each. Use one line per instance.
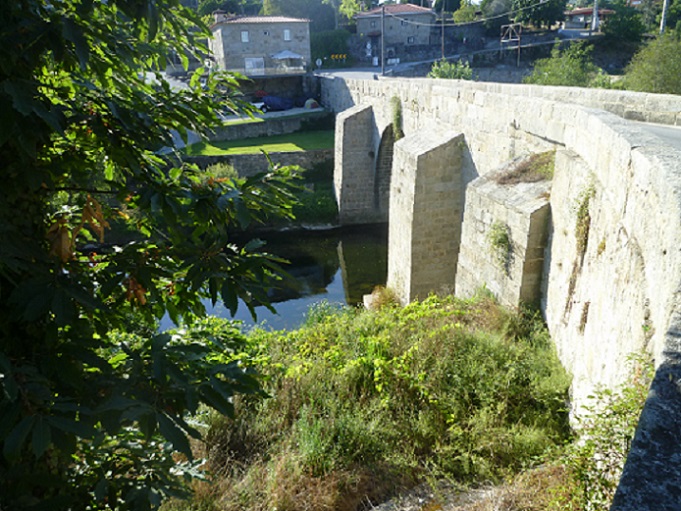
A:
(598, 247)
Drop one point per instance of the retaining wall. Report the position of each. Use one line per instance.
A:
(248, 165)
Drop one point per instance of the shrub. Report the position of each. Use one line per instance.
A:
(451, 70)
(606, 429)
(397, 117)
(364, 403)
(656, 67)
(570, 67)
(501, 244)
(222, 170)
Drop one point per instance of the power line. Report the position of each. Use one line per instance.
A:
(481, 20)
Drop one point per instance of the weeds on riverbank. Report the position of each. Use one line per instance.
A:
(363, 404)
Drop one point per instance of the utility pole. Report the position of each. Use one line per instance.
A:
(443, 30)
(382, 40)
(594, 18)
(663, 21)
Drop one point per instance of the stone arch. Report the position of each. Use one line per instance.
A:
(382, 172)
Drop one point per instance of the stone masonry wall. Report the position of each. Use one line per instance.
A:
(426, 200)
(612, 273)
(520, 213)
(272, 126)
(354, 167)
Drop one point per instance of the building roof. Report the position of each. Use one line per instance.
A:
(588, 11)
(395, 10)
(261, 19)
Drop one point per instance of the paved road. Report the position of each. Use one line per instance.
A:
(669, 134)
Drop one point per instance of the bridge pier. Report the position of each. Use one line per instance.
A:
(426, 206)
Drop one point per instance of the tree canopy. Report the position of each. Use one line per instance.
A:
(538, 14)
(571, 67)
(94, 399)
(657, 66)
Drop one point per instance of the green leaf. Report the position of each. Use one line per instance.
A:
(71, 426)
(17, 437)
(229, 297)
(74, 33)
(215, 399)
(42, 437)
(175, 173)
(101, 489)
(174, 435)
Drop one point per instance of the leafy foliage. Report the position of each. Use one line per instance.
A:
(656, 67)
(571, 67)
(538, 14)
(92, 417)
(321, 14)
(366, 402)
(465, 13)
(606, 428)
(625, 24)
(451, 70)
(327, 43)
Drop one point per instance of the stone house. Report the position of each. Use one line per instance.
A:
(406, 25)
(261, 46)
(582, 18)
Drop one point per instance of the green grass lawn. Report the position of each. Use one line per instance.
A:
(292, 142)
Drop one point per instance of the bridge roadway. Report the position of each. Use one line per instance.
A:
(669, 134)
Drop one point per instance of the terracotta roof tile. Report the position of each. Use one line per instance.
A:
(264, 19)
(396, 9)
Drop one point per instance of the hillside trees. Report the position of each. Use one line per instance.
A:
(543, 14)
(321, 14)
(656, 67)
(625, 24)
(91, 415)
(571, 67)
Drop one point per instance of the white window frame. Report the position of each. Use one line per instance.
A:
(287, 34)
(253, 63)
(244, 36)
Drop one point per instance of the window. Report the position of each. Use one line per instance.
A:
(244, 36)
(410, 40)
(403, 23)
(287, 34)
(373, 24)
(254, 65)
(266, 33)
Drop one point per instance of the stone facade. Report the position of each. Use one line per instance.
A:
(406, 26)
(256, 45)
(611, 280)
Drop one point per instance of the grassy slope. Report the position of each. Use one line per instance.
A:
(364, 404)
(293, 142)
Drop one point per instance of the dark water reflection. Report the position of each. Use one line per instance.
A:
(338, 266)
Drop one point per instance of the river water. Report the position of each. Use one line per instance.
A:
(338, 266)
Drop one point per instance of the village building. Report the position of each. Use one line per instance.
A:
(406, 25)
(261, 46)
(582, 18)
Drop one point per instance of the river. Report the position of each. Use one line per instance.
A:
(338, 266)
